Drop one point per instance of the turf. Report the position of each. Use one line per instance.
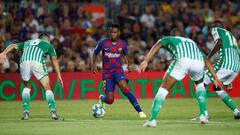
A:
(174, 119)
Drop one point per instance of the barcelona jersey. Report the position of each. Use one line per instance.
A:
(111, 58)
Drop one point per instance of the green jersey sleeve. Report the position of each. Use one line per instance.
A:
(165, 41)
(49, 48)
(20, 46)
(51, 51)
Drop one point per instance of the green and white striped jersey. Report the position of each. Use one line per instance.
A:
(35, 50)
(181, 47)
(228, 53)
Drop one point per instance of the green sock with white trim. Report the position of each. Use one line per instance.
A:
(158, 102)
(26, 98)
(50, 100)
(200, 94)
(226, 99)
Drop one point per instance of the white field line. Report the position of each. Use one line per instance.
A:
(133, 121)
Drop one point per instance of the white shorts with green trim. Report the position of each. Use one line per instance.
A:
(225, 75)
(181, 67)
(27, 68)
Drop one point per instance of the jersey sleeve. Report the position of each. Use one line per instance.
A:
(125, 49)
(20, 46)
(215, 34)
(98, 48)
(165, 41)
(51, 51)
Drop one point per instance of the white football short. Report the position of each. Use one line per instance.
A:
(225, 75)
(27, 68)
(181, 67)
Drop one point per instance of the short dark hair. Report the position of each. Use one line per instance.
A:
(43, 35)
(174, 30)
(114, 26)
(217, 23)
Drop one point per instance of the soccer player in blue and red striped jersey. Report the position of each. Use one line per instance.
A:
(113, 49)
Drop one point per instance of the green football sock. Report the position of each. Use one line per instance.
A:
(26, 98)
(201, 98)
(158, 102)
(50, 100)
(226, 99)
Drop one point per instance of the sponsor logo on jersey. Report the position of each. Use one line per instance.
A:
(120, 49)
(112, 55)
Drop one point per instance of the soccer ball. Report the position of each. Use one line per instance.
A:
(98, 111)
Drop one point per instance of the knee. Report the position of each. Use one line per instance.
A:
(125, 90)
(200, 86)
(216, 88)
(122, 87)
(27, 84)
(110, 101)
(46, 87)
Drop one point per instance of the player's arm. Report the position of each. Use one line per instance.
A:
(216, 48)
(150, 55)
(53, 56)
(94, 57)
(126, 58)
(209, 66)
(94, 60)
(57, 69)
(11, 47)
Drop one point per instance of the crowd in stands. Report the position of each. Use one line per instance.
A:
(74, 33)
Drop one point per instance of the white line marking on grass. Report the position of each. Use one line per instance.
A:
(133, 121)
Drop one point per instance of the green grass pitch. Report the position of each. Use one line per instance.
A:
(120, 119)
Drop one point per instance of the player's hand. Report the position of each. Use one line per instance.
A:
(94, 69)
(60, 81)
(218, 83)
(3, 56)
(143, 66)
(229, 87)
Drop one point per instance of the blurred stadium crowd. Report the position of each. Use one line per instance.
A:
(74, 33)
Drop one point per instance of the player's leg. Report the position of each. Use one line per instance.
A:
(25, 71)
(176, 71)
(161, 95)
(49, 96)
(206, 81)
(26, 95)
(227, 77)
(26, 100)
(125, 89)
(201, 98)
(48, 92)
(108, 86)
(159, 99)
(228, 101)
(197, 75)
(40, 72)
